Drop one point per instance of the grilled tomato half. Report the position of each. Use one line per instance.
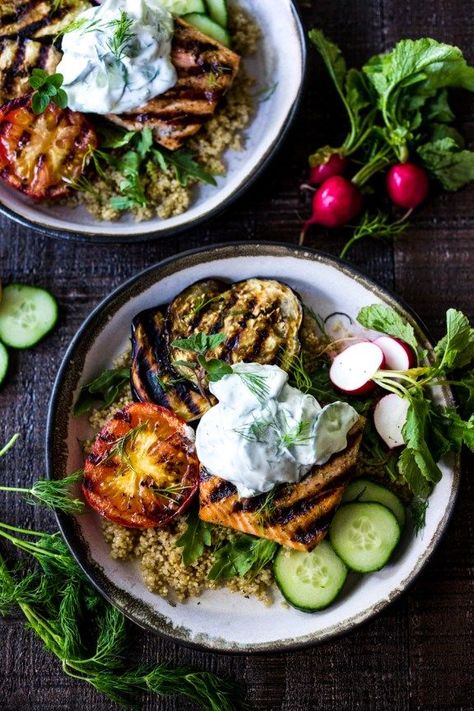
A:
(41, 153)
(143, 469)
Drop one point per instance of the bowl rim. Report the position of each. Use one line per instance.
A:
(68, 233)
(70, 529)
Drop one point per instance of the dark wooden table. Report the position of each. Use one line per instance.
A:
(418, 653)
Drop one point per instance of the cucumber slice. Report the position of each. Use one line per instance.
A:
(26, 315)
(184, 7)
(209, 27)
(365, 491)
(3, 362)
(217, 9)
(364, 535)
(309, 581)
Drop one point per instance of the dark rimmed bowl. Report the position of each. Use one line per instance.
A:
(279, 77)
(220, 620)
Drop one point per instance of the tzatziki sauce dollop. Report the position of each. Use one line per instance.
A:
(264, 432)
(116, 56)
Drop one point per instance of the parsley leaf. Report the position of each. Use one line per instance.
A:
(196, 537)
(385, 320)
(47, 89)
(242, 555)
(103, 390)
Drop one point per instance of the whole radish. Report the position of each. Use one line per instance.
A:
(407, 185)
(335, 165)
(336, 202)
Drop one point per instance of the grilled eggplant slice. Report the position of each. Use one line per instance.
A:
(152, 377)
(294, 515)
(260, 318)
(206, 70)
(38, 18)
(18, 57)
(40, 153)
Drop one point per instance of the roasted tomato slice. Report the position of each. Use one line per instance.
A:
(40, 153)
(143, 469)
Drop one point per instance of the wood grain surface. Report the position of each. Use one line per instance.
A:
(418, 653)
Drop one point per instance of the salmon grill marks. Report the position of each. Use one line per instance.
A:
(296, 515)
(17, 60)
(260, 319)
(206, 71)
(38, 18)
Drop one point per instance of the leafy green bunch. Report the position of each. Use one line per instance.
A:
(398, 108)
(87, 635)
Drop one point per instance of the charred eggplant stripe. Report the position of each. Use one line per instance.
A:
(13, 71)
(20, 11)
(44, 55)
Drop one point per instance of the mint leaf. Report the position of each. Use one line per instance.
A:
(385, 320)
(199, 343)
(39, 103)
(38, 78)
(196, 537)
(217, 369)
(47, 89)
(456, 349)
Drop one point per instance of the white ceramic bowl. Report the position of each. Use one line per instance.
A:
(222, 620)
(278, 64)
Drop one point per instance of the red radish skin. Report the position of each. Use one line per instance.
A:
(398, 354)
(390, 415)
(407, 185)
(335, 165)
(336, 202)
(353, 369)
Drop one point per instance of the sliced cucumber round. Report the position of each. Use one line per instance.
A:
(3, 362)
(217, 9)
(26, 315)
(309, 581)
(365, 491)
(184, 7)
(364, 535)
(208, 27)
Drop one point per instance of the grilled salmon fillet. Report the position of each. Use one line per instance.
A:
(206, 70)
(18, 57)
(295, 515)
(38, 18)
(260, 318)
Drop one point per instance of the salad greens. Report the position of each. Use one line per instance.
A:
(86, 634)
(398, 108)
(196, 537)
(102, 391)
(241, 555)
(139, 151)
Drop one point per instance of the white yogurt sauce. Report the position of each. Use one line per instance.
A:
(118, 57)
(264, 432)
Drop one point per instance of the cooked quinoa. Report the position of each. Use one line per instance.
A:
(165, 196)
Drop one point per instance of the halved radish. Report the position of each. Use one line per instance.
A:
(390, 415)
(351, 371)
(398, 354)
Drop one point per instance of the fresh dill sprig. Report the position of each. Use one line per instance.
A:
(121, 445)
(299, 435)
(267, 506)
(172, 492)
(379, 226)
(55, 495)
(300, 375)
(202, 302)
(256, 383)
(255, 431)
(122, 34)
